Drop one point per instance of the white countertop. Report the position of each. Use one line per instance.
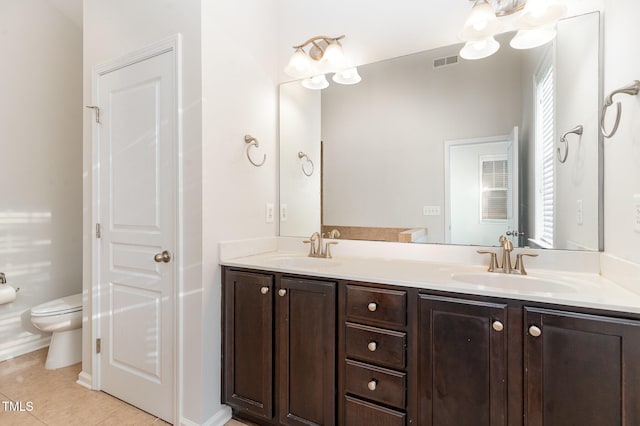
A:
(588, 290)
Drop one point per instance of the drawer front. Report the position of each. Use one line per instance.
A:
(376, 306)
(376, 383)
(384, 347)
(361, 413)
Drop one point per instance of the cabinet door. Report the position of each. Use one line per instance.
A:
(306, 327)
(248, 342)
(581, 369)
(462, 362)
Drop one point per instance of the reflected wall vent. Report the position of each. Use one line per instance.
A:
(443, 62)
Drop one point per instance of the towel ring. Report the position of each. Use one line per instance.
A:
(302, 155)
(632, 89)
(563, 139)
(253, 142)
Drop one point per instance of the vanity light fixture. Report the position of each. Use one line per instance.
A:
(325, 55)
(535, 25)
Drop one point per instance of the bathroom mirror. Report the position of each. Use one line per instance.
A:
(433, 148)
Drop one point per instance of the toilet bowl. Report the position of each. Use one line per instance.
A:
(63, 318)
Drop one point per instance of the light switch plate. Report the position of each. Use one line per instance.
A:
(636, 212)
(268, 214)
(579, 212)
(284, 212)
(431, 210)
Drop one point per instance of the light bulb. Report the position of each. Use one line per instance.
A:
(480, 48)
(333, 53)
(299, 65)
(528, 39)
(348, 76)
(317, 82)
(481, 22)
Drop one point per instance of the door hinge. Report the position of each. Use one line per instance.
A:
(98, 231)
(97, 111)
(98, 345)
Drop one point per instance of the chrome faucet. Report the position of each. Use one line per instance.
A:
(3, 278)
(506, 266)
(316, 249)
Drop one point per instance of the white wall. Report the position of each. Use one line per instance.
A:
(622, 152)
(40, 163)
(112, 29)
(239, 90)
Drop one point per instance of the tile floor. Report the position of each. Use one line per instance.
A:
(56, 399)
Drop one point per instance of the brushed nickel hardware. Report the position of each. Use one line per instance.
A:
(631, 89)
(515, 233)
(253, 142)
(497, 326)
(493, 262)
(372, 346)
(165, 257)
(373, 306)
(372, 385)
(264, 290)
(520, 263)
(535, 331)
(98, 345)
(98, 231)
(317, 249)
(506, 266)
(282, 292)
(305, 160)
(563, 140)
(97, 111)
(3, 278)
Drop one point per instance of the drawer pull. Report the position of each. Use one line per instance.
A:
(372, 385)
(497, 326)
(282, 292)
(372, 306)
(372, 346)
(264, 290)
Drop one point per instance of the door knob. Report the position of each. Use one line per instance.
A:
(264, 290)
(165, 257)
(282, 292)
(535, 331)
(372, 346)
(372, 306)
(498, 326)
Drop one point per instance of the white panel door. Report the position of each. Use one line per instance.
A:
(471, 200)
(137, 140)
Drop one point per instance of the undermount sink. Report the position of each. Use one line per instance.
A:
(302, 262)
(520, 283)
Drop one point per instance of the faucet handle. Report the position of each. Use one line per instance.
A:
(327, 248)
(493, 262)
(520, 264)
(312, 246)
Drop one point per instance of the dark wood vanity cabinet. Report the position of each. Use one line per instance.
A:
(279, 348)
(581, 369)
(462, 362)
(307, 351)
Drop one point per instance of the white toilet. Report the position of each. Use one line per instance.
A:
(63, 318)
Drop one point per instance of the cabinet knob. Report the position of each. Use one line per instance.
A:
(372, 385)
(372, 346)
(497, 326)
(282, 292)
(372, 306)
(535, 331)
(264, 290)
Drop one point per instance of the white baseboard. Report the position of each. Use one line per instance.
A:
(85, 380)
(24, 346)
(218, 419)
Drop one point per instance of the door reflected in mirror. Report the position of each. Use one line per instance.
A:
(383, 149)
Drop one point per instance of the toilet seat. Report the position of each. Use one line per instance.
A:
(64, 305)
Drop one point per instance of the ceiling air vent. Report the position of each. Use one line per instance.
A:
(442, 62)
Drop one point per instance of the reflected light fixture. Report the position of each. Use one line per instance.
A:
(324, 55)
(535, 25)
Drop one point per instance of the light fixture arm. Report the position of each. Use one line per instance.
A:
(313, 41)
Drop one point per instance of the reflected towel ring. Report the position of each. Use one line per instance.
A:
(302, 155)
(563, 139)
(253, 142)
(632, 89)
